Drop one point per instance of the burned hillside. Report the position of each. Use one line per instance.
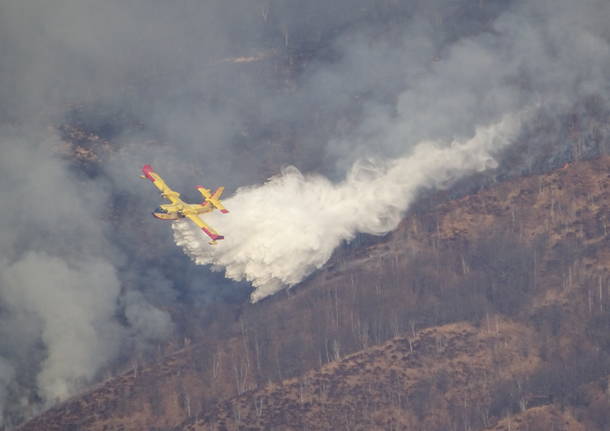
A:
(417, 226)
(521, 267)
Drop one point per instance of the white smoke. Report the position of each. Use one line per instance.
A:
(281, 231)
(455, 108)
(61, 292)
(413, 83)
(73, 307)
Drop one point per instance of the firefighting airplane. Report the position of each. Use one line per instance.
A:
(180, 209)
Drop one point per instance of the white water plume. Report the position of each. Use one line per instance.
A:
(280, 232)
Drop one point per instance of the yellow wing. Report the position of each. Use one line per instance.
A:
(205, 228)
(156, 179)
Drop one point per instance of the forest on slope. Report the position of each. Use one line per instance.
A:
(439, 263)
(476, 311)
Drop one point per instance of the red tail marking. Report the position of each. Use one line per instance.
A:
(212, 235)
(146, 170)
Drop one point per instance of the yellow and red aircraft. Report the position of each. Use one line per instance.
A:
(179, 209)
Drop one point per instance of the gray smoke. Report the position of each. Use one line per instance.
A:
(59, 281)
(372, 100)
(456, 97)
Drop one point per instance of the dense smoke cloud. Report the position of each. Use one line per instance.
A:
(288, 227)
(429, 91)
(81, 339)
(59, 279)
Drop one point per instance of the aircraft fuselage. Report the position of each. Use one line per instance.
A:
(178, 208)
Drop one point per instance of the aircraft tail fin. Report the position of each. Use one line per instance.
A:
(146, 170)
(213, 199)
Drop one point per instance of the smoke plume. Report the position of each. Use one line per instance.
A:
(60, 281)
(452, 117)
(371, 101)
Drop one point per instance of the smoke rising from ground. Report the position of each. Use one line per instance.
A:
(85, 294)
(429, 91)
(59, 280)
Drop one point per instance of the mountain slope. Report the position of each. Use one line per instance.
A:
(390, 386)
(515, 275)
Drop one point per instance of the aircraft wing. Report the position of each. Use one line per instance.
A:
(205, 228)
(156, 179)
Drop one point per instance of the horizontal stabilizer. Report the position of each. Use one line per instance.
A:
(213, 199)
